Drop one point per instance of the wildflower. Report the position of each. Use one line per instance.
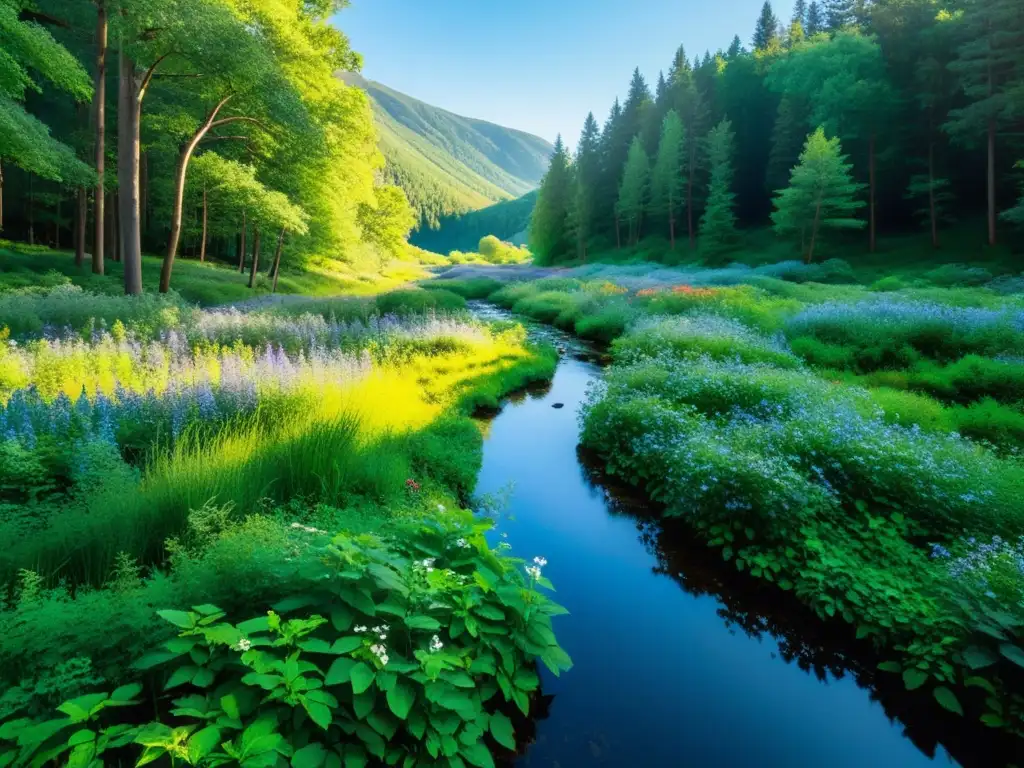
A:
(533, 571)
(440, 507)
(435, 644)
(541, 561)
(462, 543)
(243, 645)
(359, 629)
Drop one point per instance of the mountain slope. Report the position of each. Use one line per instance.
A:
(448, 164)
(507, 220)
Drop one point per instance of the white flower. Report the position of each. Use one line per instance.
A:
(243, 645)
(385, 627)
(383, 636)
(359, 628)
(440, 507)
(533, 571)
(436, 644)
(540, 561)
(384, 659)
(429, 562)
(462, 543)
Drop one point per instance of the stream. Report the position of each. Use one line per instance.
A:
(676, 661)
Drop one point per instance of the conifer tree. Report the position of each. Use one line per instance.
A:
(689, 102)
(586, 179)
(788, 137)
(800, 13)
(766, 32)
(821, 194)
(611, 169)
(633, 190)
(548, 227)
(815, 19)
(735, 48)
(718, 225)
(839, 14)
(667, 176)
(990, 66)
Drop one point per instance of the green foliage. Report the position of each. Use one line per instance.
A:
(667, 174)
(508, 220)
(821, 194)
(326, 682)
(548, 237)
(718, 224)
(633, 189)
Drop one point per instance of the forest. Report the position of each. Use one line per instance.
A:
(209, 128)
(890, 116)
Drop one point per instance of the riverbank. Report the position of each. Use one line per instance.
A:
(214, 465)
(817, 478)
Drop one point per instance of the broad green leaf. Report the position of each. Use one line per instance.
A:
(978, 657)
(230, 706)
(346, 644)
(340, 671)
(422, 622)
(1013, 653)
(149, 754)
(361, 676)
(948, 700)
(501, 729)
(202, 743)
(890, 666)
(125, 694)
(341, 618)
(401, 698)
(310, 756)
(477, 754)
(358, 600)
(318, 713)
(177, 618)
(914, 678)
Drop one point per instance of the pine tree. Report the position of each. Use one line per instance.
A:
(633, 190)
(821, 194)
(839, 14)
(718, 225)
(766, 32)
(689, 102)
(586, 179)
(735, 48)
(815, 19)
(667, 178)
(548, 227)
(800, 13)
(990, 66)
(788, 137)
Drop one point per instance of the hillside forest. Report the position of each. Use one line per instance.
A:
(850, 119)
(210, 128)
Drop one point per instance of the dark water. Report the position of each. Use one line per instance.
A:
(672, 666)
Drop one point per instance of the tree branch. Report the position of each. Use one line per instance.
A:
(236, 119)
(149, 75)
(43, 18)
(217, 138)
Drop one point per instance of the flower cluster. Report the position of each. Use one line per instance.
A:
(534, 571)
(436, 644)
(412, 485)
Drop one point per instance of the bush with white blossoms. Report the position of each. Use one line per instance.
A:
(322, 676)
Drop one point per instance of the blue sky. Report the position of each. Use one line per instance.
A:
(536, 65)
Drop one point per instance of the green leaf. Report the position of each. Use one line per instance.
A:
(177, 618)
(202, 743)
(310, 756)
(914, 678)
(340, 671)
(362, 677)
(230, 706)
(347, 644)
(358, 600)
(401, 697)
(149, 754)
(363, 703)
(890, 666)
(318, 713)
(423, 622)
(259, 624)
(477, 754)
(979, 657)
(125, 694)
(1013, 653)
(206, 609)
(150, 660)
(341, 618)
(948, 700)
(492, 612)
(501, 729)
(203, 678)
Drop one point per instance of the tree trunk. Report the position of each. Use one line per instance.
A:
(81, 215)
(618, 235)
(118, 243)
(241, 248)
(110, 225)
(932, 215)
(255, 256)
(99, 99)
(871, 192)
(992, 182)
(689, 199)
(128, 118)
(179, 193)
(202, 244)
(814, 232)
(143, 193)
(31, 213)
(277, 261)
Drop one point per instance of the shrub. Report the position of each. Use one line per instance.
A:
(949, 275)
(364, 666)
(889, 283)
(413, 302)
(692, 336)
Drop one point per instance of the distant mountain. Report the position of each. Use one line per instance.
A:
(508, 220)
(448, 164)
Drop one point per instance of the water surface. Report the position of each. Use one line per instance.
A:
(671, 669)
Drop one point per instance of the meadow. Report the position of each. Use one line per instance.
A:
(857, 442)
(205, 512)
